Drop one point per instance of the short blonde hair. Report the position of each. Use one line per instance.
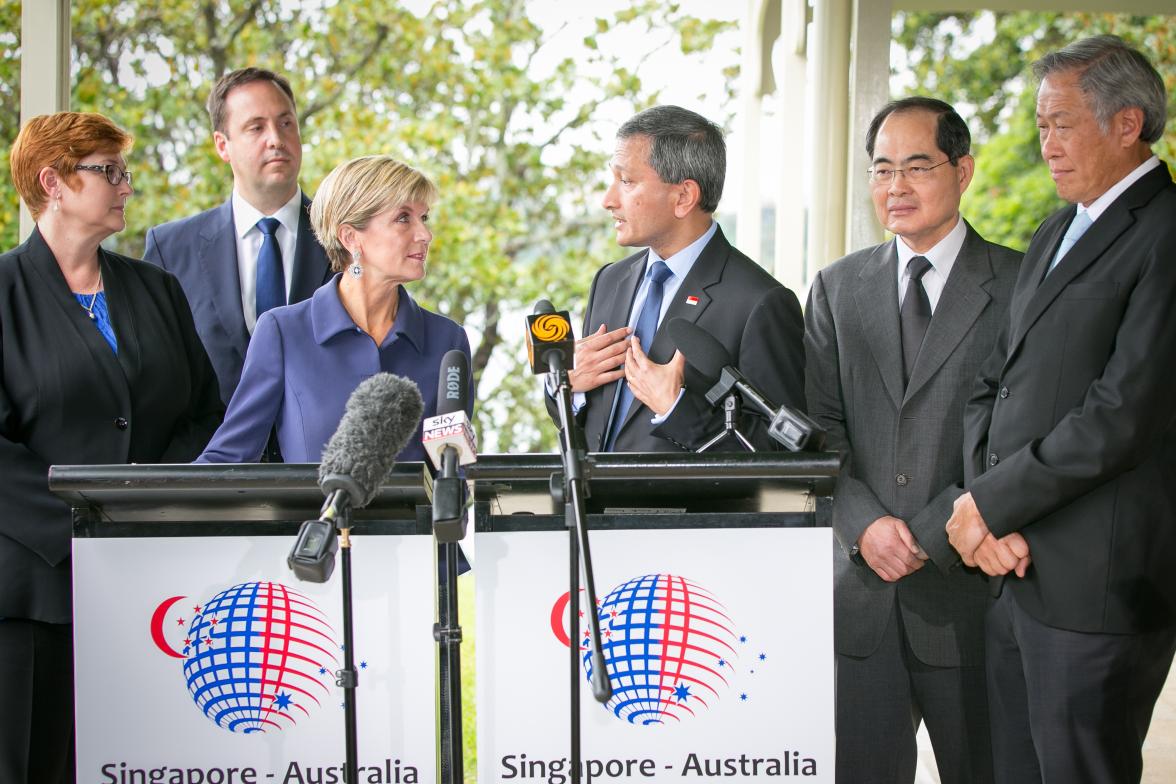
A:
(59, 140)
(357, 191)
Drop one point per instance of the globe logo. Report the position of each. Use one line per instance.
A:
(668, 646)
(257, 656)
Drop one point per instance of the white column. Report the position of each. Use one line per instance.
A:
(748, 231)
(869, 90)
(44, 66)
(827, 160)
(792, 97)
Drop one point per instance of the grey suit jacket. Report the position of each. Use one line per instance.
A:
(751, 313)
(201, 250)
(902, 449)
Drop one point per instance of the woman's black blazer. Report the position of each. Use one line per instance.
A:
(66, 398)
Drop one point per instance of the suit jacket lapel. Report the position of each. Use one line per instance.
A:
(877, 301)
(961, 303)
(309, 269)
(218, 259)
(616, 317)
(42, 259)
(122, 319)
(706, 271)
(1086, 251)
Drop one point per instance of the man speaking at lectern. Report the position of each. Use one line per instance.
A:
(896, 334)
(632, 391)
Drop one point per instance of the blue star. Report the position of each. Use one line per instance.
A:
(763, 656)
(322, 670)
(282, 701)
(742, 638)
(722, 662)
(682, 692)
(743, 696)
(363, 665)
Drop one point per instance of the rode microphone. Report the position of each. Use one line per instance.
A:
(449, 441)
(708, 356)
(381, 415)
(551, 344)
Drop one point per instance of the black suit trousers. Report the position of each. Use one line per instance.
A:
(1070, 707)
(36, 692)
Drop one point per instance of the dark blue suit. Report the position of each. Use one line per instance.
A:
(201, 250)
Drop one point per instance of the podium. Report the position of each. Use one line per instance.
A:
(715, 601)
(199, 656)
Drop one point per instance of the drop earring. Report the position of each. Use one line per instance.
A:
(356, 269)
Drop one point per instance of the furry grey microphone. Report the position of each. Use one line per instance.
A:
(381, 415)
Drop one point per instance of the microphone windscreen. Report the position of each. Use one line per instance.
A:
(543, 306)
(700, 348)
(381, 415)
(453, 382)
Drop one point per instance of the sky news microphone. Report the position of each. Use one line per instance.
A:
(381, 415)
(449, 441)
(710, 358)
(551, 344)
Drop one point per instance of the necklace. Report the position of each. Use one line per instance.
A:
(93, 299)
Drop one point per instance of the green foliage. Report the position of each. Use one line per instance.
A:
(455, 91)
(980, 62)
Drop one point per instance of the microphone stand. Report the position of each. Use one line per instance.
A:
(732, 411)
(448, 529)
(337, 509)
(575, 515)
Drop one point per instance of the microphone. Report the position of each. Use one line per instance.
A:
(381, 415)
(449, 441)
(709, 357)
(551, 344)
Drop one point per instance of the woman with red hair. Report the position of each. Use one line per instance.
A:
(99, 363)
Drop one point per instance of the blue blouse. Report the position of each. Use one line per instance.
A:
(303, 363)
(95, 305)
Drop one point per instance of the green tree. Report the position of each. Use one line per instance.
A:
(455, 90)
(980, 62)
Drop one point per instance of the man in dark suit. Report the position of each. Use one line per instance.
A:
(1071, 438)
(894, 336)
(633, 390)
(256, 250)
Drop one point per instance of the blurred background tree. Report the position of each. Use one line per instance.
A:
(473, 92)
(980, 63)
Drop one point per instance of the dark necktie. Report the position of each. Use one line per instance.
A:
(645, 330)
(271, 281)
(914, 315)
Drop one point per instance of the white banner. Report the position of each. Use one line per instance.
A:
(203, 660)
(718, 642)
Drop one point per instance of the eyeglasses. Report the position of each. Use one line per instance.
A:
(884, 175)
(113, 172)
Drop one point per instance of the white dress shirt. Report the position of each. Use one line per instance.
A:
(245, 218)
(942, 257)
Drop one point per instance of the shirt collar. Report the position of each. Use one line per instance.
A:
(246, 216)
(1099, 205)
(942, 255)
(329, 318)
(681, 262)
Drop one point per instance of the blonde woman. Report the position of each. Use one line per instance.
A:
(371, 215)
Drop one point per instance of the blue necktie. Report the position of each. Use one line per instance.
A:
(271, 280)
(1078, 227)
(644, 332)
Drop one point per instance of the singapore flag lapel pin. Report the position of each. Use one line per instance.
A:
(691, 299)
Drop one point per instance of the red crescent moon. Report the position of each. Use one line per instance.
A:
(557, 624)
(157, 627)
